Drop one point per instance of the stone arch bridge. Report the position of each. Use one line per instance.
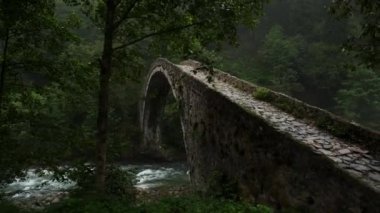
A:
(273, 148)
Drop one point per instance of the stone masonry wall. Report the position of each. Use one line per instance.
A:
(268, 166)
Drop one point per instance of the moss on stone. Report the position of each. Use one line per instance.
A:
(262, 93)
(335, 128)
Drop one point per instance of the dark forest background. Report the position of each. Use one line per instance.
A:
(299, 49)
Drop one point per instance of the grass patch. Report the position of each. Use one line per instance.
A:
(262, 94)
(197, 204)
(8, 207)
(178, 205)
(89, 205)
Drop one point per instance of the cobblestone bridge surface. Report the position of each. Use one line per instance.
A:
(356, 161)
(276, 157)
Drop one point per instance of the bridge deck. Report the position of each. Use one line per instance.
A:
(352, 159)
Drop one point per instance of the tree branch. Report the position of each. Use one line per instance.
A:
(126, 14)
(164, 31)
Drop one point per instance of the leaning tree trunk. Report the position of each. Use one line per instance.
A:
(4, 66)
(103, 107)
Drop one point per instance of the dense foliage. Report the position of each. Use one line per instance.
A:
(301, 50)
(364, 41)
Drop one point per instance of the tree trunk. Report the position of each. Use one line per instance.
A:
(4, 66)
(103, 105)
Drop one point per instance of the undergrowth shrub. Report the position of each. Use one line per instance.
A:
(119, 183)
(169, 205)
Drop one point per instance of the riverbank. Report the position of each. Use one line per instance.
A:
(151, 181)
(142, 197)
(161, 188)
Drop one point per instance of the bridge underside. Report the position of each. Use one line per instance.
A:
(267, 155)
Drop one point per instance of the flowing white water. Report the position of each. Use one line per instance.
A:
(35, 185)
(147, 176)
(154, 177)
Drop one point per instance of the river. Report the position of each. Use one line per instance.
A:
(147, 176)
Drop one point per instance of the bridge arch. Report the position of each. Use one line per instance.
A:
(158, 88)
